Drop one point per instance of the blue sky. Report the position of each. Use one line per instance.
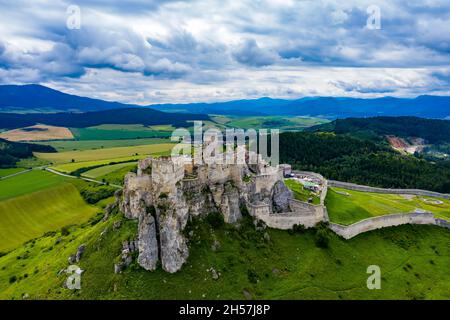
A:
(209, 50)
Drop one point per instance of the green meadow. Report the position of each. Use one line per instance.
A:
(106, 170)
(31, 215)
(348, 206)
(10, 171)
(27, 183)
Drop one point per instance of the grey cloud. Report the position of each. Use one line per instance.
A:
(251, 54)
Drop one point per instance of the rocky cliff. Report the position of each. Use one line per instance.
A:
(166, 192)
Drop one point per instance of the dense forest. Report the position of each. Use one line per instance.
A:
(144, 116)
(432, 130)
(11, 152)
(344, 158)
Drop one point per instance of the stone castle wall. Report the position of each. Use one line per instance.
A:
(302, 213)
(357, 187)
(374, 223)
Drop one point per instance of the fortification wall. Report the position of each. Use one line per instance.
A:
(302, 213)
(442, 223)
(357, 187)
(370, 224)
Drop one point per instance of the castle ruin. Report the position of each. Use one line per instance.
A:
(165, 192)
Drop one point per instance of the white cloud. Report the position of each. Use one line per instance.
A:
(175, 51)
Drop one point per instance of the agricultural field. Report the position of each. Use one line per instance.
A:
(284, 266)
(116, 177)
(28, 182)
(106, 170)
(106, 153)
(348, 206)
(32, 214)
(10, 171)
(37, 133)
(300, 193)
(71, 167)
(271, 122)
(80, 145)
(117, 132)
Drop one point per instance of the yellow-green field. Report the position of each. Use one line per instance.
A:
(29, 216)
(70, 167)
(98, 172)
(107, 153)
(348, 206)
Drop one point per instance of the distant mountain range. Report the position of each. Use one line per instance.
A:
(423, 106)
(37, 98)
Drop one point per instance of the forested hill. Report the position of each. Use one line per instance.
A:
(341, 157)
(11, 152)
(434, 131)
(81, 120)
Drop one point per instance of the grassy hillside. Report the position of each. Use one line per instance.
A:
(413, 262)
(348, 206)
(27, 183)
(104, 154)
(13, 152)
(31, 215)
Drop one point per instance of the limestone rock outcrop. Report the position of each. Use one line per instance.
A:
(165, 192)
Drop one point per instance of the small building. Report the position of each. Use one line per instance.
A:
(287, 170)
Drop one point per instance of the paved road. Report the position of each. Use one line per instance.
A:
(83, 178)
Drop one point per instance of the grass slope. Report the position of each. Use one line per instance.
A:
(104, 154)
(27, 183)
(31, 215)
(106, 170)
(300, 193)
(413, 262)
(348, 206)
(9, 171)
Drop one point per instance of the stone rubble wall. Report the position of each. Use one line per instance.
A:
(357, 187)
(374, 223)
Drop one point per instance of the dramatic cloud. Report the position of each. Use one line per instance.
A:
(207, 50)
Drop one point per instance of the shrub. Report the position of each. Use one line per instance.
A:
(322, 239)
(65, 231)
(93, 195)
(252, 276)
(298, 228)
(215, 219)
(12, 279)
